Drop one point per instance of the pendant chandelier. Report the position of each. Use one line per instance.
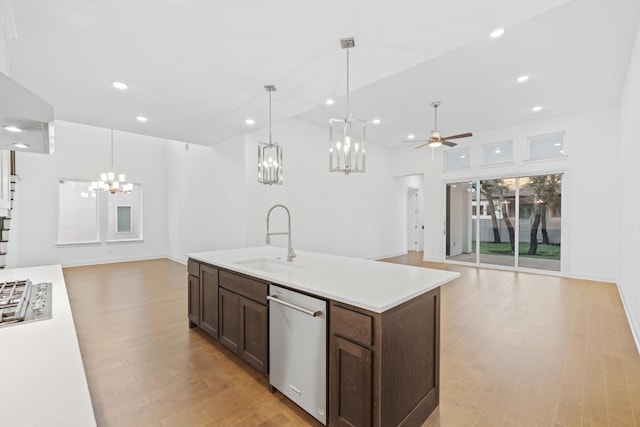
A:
(347, 136)
(269, 154)
(108, 181)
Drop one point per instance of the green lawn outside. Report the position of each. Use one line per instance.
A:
(543, 252)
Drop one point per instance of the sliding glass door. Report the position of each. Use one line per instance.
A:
(540, 215)
(460, 231)
(497, 235)
(512, 222)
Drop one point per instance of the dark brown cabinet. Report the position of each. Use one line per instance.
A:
(384, 367)
(209, 299)
(232, 308)
(229, 304)
(254, 333)
(244, 318)
(351, 375)
(203, 297)
(194, 293)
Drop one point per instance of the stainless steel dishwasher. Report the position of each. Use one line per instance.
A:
(298, 349)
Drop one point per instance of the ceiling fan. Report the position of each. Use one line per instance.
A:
(436, 140)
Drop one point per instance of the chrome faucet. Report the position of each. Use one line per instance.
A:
(290, 253)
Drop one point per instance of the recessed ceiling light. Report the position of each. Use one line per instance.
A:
(462, 156)
(523, 78)
(411, 136)
(329, 101)
(536, 108)
(120, 85)
(20, 145)
(12, 128)
(376, 121)
(498, 32)
(250, 122)
(141, 119)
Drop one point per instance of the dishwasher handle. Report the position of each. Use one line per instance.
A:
(295, 307)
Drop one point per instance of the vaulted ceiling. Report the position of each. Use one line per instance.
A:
(196, 69)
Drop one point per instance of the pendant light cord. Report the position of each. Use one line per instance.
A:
(348, 106)
(270, 143)
(111, 151)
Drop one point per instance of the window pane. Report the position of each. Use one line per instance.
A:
(541, 196)
(125, 215)
(546, 146)
(77, 212)
(497, 235)
(123, 219)
(498, 152)
(456, 159)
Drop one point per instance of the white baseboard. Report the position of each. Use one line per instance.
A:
(634, 333)
(388, 255)
(111, 261)
(178, 260)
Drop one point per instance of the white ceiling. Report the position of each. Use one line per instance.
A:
(197, 68)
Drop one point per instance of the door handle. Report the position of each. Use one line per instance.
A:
(295, 307)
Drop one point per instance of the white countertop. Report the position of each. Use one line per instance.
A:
(372, 285)
(42, 380)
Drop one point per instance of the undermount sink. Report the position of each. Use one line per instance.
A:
(269, 265)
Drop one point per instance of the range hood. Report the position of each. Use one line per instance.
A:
(22, 109)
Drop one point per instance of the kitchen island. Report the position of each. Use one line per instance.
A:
(43, 381)
(384, 323)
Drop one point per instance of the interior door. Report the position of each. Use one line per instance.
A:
(413, 220)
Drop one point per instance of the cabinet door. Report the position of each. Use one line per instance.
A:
(229, 319)
(253, 334)
(194, 301)
(350, 382)
(209, 300)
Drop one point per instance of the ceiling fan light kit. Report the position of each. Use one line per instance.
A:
(436, 139)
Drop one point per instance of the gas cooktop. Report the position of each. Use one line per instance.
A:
(22, 301)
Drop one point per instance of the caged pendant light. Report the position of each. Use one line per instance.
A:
(269, 155)
(347, 153)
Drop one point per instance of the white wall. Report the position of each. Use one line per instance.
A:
(4, 57)
(629, 208)
(206, 197)
(357, 215)
(590, 240)
(82, 152)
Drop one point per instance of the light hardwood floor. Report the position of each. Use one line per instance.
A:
(516, 350)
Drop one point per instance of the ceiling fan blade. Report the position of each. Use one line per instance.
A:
(449, 144)
(415, 140)
(462, 135)
(421, 145)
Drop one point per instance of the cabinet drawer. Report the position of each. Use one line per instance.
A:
(193, 268)
(352, 325)
(252, 289)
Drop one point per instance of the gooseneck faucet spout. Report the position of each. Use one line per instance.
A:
(290, 253)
